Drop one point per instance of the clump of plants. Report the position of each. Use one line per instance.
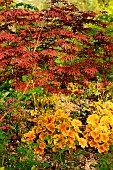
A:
(99, 128)
(55, 130)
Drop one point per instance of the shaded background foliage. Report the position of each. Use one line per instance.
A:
(96, 5)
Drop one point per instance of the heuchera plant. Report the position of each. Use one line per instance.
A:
(99, 128)
(52, 48)
(54, 131)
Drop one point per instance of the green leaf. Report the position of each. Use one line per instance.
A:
(30, 156)
(21, 104)
(19, 4)
(13, 158)
(2, 137)
(22, 150)
(2, 134)
(49, 146)
(23, 97)
(110, 77)
(38, 90)
(46, 164)
(35, 145)
(24, 78)
(79, 153)
(4, 44)
(13, 44)
(57, 48)
(62, 157)
(55, 157)
(6, 94)
(35, 90)
(46, 138)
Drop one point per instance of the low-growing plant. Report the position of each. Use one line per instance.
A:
(99, 128)
(54, 130)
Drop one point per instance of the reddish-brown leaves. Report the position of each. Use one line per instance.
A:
(49, 52)
(54, 46)
(91, 71)
(89, 14)
(1, 55)
(67, 57)
(82, 37)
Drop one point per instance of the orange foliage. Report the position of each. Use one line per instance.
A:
(99, 128)
(58, 129)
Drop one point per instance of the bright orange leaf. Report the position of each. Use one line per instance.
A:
(82, 142)
(93, 120)
(51, 127)
(38, 150)
(104, 137)
(50, 119)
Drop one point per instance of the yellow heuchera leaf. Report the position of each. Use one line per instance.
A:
(50, 127)
(2, 168)
(105, 120)
(86, 109)
(104, 128)
(76, 122)
(103, 148)
(93, 119)
(49, 119)
(111, 121)
(94, 133)
(33, 168)
(63, 128)
(30, 136)
(33, 112)
(82, 142)
(104, 137)
(60, 113)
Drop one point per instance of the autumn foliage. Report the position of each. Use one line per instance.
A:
(58, 67)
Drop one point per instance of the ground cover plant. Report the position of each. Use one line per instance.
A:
(56, 87)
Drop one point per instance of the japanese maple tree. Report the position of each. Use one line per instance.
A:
(53, 47)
